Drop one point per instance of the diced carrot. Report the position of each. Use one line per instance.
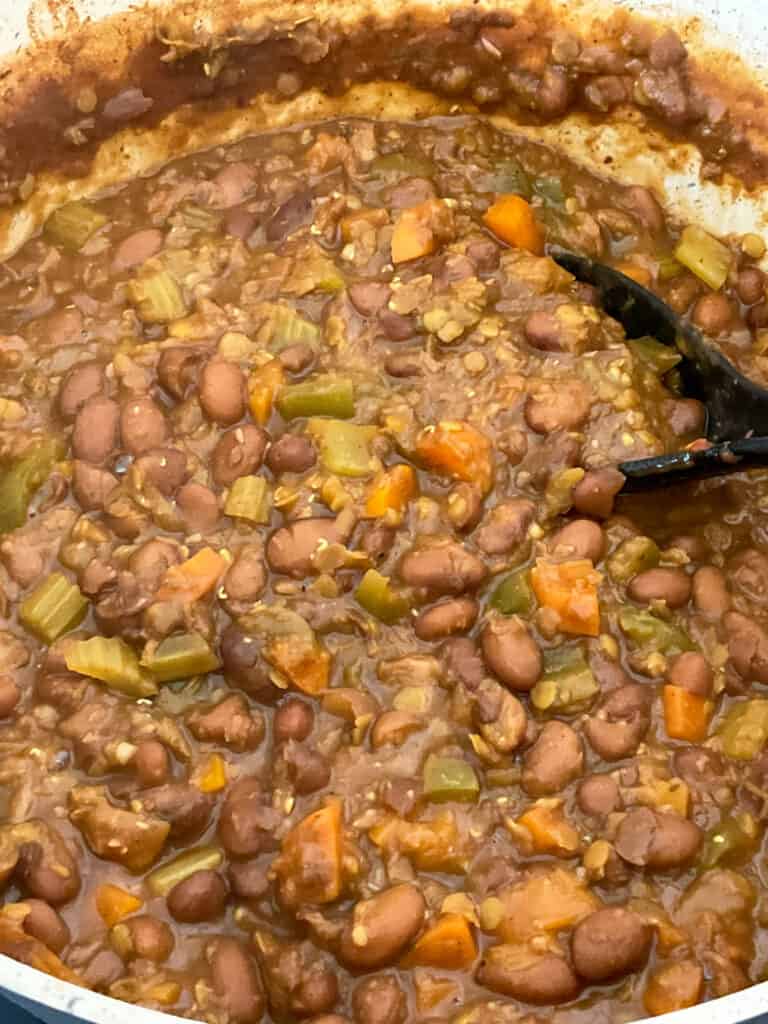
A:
(114, 903)
(547, 902)
(390, 491)
(434, 845)
(686, 714)
(354, 224)
(263, 385)
(636, 272)
(21, 946)
(549, 830)
(310, 861)
(419, 229)
(512, 220)
(306, 666)
(673, 986)
(192, 579)
(456, 448)
(213, 776)
(449, 943)
(570, 590)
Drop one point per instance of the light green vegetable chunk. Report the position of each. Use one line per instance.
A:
(181, 657)
(157, 297)
(655, 634)
(53, 608)
(376, 595)
(322, 395)
(73, 224)
(633, 556)
(113, 662)
(286, 326)
(660, 358)
(513, 596)
(249, 499)
(744, 730)
(727, 844)
(449, 778)
(550, 189)
(345, 448)
(568, 685)
(20, 478)
(203, 858)
(198, 218)
(706, 257)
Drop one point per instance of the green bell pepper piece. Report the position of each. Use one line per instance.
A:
(744, 730)
(647, 630)
(249, 499)
(513, 596)
(567, 685)
(322, 395)
(345, 448)
(633, 556)
(449, 778)
(660, 358)
(181, 657)
(726, 844)
(21, 477)
(377, 597)
(53, 608)
(113, 662)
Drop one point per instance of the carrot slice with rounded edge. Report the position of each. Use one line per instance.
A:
(511, 219)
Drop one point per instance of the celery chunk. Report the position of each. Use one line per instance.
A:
(73, 224)
(322, 395)
(181, 657)
(705, 256)
(450, 778)
(203, 858)
(53, 608)
(345, 448)
(112, 661)
(249, 499)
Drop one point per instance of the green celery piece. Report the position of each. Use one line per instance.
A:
(198, 218)
(53, 608)
(181, 657)
(726, 843)
(568, 685)
(322, 395)
(73, 224)
(744, 730)
(660, 358)
(449, 778)
(634, 555)
(513, 596)
(287, 327)
(202, 858)
(705, 256)
(647, 630)
(377, 597)
(157, 297)
(21, 477)
(550, 189)
(345, 448)
(249, 499)
(112, 661)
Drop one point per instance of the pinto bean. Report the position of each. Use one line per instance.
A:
(137, 248)
(673, 986)
(580, 538)
(10, 694)
(379, 1000)
(404, 364)
(616, 729)
(748, 575)
(297, 358)
(554, 760)
(691, 671)
(94, 437)
(231, 722)
(249, 880)
(685, 416)
(198, 506)
(245, 822)
(463, 661)
(291, 453)
(201, 896)
(186, 808)
(660, 841)
(750, 285)
(505, 527)
(594, 494)
(46, 868)
(177, 371)
(445, 619)
(464, 506)
(511, 653)
(395, 326)
(294, 720)
(91, 485)
(235, 981)
(610, 943)
(290, 216)
(557, 405)
(82, 382)
(243, 664)
(442, 567)
(394, 727)
(163, 468)
(369, 297)
(646, 208)
(700, 768)
(410, 192)
(105, 968)
(540, 979)
(673, 586)
(543, 330)
(710, 592)
(148, 938)
(247, 576)
(598, 795)
(222, 392)
(46, 925)
(713, 313)
(142, 426)
(290, 550)
(381, 927)
(747, 646)
(377, 540)
(308, 770)
(238, 452)
(152, 763)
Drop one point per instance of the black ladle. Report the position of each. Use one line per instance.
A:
(737, 408)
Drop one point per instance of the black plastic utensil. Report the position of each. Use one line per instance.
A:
(737, 408)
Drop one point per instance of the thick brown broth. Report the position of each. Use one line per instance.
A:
(311, 573)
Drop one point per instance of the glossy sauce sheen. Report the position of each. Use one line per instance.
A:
(445, 734)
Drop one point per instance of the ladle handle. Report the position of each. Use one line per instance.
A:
(680, 467)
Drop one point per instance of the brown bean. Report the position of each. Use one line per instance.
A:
(297, 358)
(750, 285)
(94, 437)
(199, 897)
(445, 619)
(537, 978)
(10, 694)
(231, 722)
(377, 540)
(142, 426)
(594, 494)
(291, 453)
(748, 575)
(395, 326)
(463, 662)
(245, 823)
(235, 981)
(543, 330)
(598, 795)
(464, 506)
(137, 248)
(152, 763)
(177, 371)
(82, 382)
(381, 927)
(710, 592)
(610, 943)
(554, 760)
(394, 727)
(238, 452)
(747, 647)
(511, 653)
(247, 576)
(46, 925)
(379, 1000)
(249, 880)
(91, 485)
(291, 549)
(557, 405)
(151, 560)
(691, 671)
(308, 769)
(104, 969)
(368, 297)
(656, 840)
(618, 726)
(673, 586)
(148, 938)
(222, 392)
(186, 808)
(404, 364)
(685, 417)
(442, 568)
(580, 538)
(502, 718)
(294, 720)
(243, 663)
(505, 527)
(713, 313)
(198, 506)
(673, 986)
(46, 868)
(163, 468)
(646, 207)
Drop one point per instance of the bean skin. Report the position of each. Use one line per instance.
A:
(82, 382)
(595, 493)
(710, 592)
(691, 671)
(610, 943)
(290, 550)
(142, 426)
(543, 979)
(442, 568)
(505, 527)
(554, 760)
(379, 1000)
(672, 586)
(222, 392)
(394, 727)
(46, 924)
(562, 405)
(235, 980)
(580, 538)
(660, 841)
(446, 619)
(199, 897)
(152, 763)
(511, 653)
(94, 437)
(621, 721)
(381, 927)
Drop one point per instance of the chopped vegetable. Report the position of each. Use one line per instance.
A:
(410, 164)
(433, 845)
(321, 395)
(570, 590)
(456, 448)
(729, 843)
(507, 177)
(376, 595)
(448, 944)
(286, 326)
(21, 477)
(53, 608)
(673, 986)
(545, 902)
(706, 257)
(390, 491)
(415, 699)
(114, 903)
(744, 730)
(419, 229)
(550, 189)
(310, 861)
(449, 778)
(568, 685)
(200, 218)
(345, 448)
(73, 224)
(633, 556)
(249, 499)
(15, 942)
(263, 386)
(180, 657)
(511, 219)
(635, 272)
(669, 268)
(157, 297)
(213, 777)
(686, 714)
(201, 858)
(306, 667)
(354, 225)
(660, 358)
(194, 578)
(113, 662)
(649, 631)
(513, 596)
(549, 830)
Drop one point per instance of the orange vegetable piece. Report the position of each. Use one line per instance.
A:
(636, 272)
(166, 993)
(512, 220)
(673, 986)
(263, 385)
(16, 943)
(456, 448)
(114, 903)
(419, 229)
(549, 830)
(390, 491)
(686, 714)
(570, 590)
(547, 902)
(310, 861)
(354, 224)
(434, 845)
(306, 666)
(449, 943)
(192, 579)
(213, 777)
